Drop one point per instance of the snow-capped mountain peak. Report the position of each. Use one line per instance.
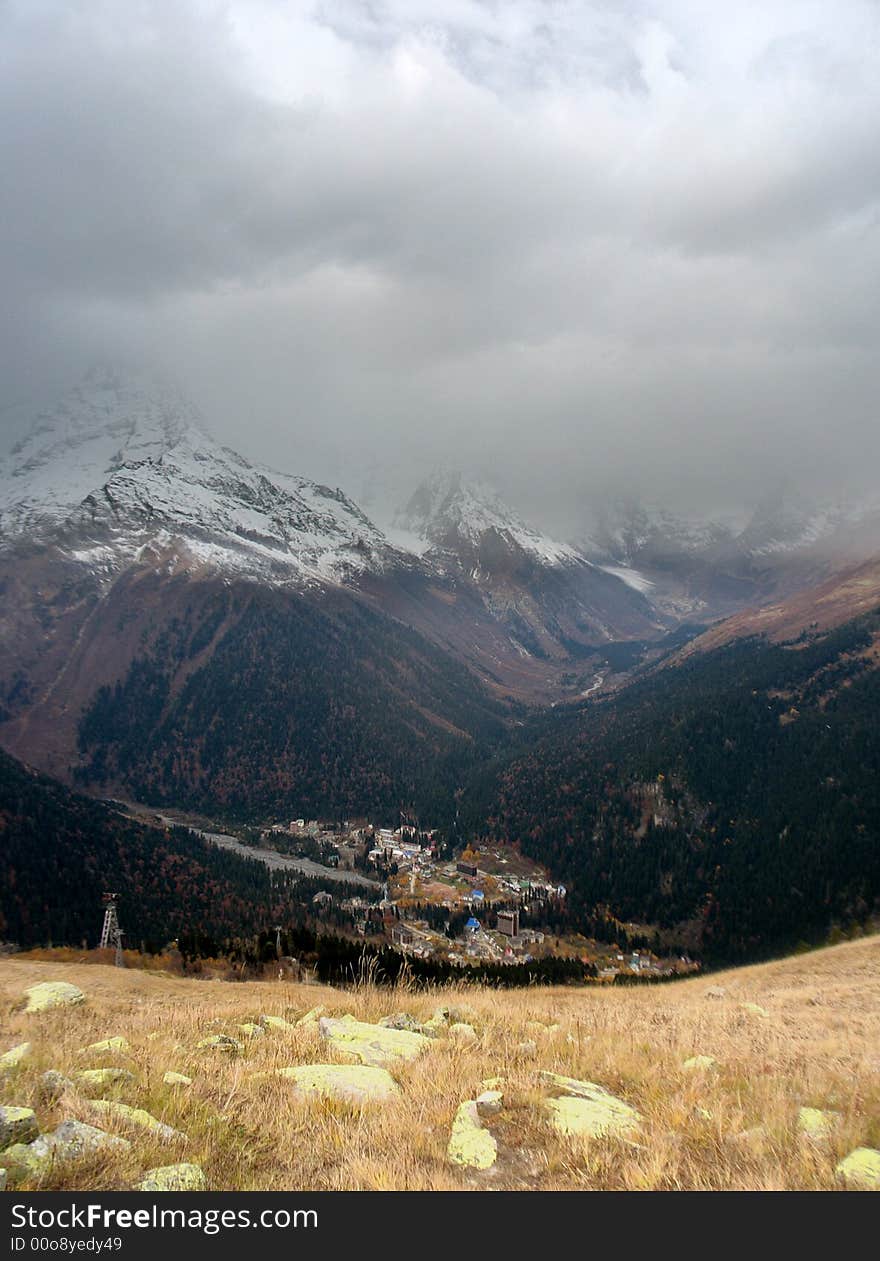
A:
(125, 461)
(449, 512)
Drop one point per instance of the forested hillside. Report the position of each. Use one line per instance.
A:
(321, 708)
(739, 791)
(59, 852)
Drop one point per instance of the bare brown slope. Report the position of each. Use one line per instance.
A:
(816, 610)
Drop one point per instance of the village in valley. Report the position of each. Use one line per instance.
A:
(430, 899)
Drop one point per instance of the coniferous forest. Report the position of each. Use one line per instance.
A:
(737, 793)
(728, 804)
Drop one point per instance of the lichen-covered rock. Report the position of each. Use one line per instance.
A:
(138, 1117)
(4, 1178)
(177, 1079)
(437, 1026)
(860, 1169)
(71, 1141)
(537, 1029)
(182, 1177)
(53, 1085)
(108, 1046)
(589, 1117)
(463, 1033)
(372, 1044)
(489, 1102)
(251, 1030)
(16, 1055)
(700, 1063)
(401, 1020)
(276, 1023)
(312, 1016)
(97, 1079)
(816, 1124)
(17, 1125)
(50, 995)
(220, 1042)
(589, 1110)
(469, 1143)
(346, 1083)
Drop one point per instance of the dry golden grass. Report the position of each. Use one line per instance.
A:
(819, 1046)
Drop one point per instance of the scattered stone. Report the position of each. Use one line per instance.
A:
(459, 1015)
(250, 1030)
(313, 1016)
(276, 1023)
(49, 995)
(700, 1063)
(139, 1117)
(538, 1029)
(103, 1078)
(588, 1109)
(401, 1020)
(570, 1085)
(861, 1169)
(17, 1125)
(463, 1033)
(715, 991)
(469, 1143)
(4, 1178)
(15, 1056)
(71, 1141)
(527, 1048)
(372, 1044)
(345, 1083)
(220, 1042)
(109, 1046)
(177, 1079)
(755, 1009)
(53, 1085)
(492, 1083)
(816, 1124)
(489, 1102)
(437, 1026)
(174, 1178)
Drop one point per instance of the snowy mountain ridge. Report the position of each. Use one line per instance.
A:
(124, 463)
(448, 511)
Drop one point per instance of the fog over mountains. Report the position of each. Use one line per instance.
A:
(571, 249)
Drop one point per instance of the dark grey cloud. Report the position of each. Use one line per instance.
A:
(577, 245)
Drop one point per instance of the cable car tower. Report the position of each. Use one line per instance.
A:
(111, 933)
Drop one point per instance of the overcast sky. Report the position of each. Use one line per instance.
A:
(578, 246)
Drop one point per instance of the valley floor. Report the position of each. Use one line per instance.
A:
(802, 1032)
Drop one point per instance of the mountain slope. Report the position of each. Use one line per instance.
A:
(731, 800)
(550, 599)
(704, 568)
(124, 462)
(62, 851)
(733, 1128)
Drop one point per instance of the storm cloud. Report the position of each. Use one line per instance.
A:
(579, 247)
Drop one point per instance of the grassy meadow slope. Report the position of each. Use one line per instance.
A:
(816, 1043)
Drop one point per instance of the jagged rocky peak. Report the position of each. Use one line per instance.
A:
(125, 461)
(451, 512)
